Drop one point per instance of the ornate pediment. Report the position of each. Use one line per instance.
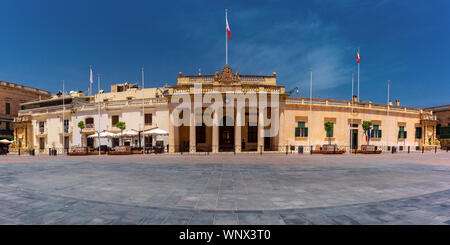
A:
(226, 76)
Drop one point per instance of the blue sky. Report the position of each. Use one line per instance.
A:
(43, 42)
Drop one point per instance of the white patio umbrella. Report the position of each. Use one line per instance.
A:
(156, 132)
(129, 133)
(5, 141)
(102, 135)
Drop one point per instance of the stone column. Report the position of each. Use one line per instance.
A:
(281, 138)
(215, 134)
(173, 134)
(192, 131)
(260, 130)
(237, 130)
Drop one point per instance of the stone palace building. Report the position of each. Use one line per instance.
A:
(300, 120)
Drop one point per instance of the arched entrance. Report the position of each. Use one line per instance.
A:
(226, 135)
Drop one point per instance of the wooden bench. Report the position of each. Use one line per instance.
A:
(329, 149)
(369, 149)
(79, 151)
(121, 150)
(96, 152)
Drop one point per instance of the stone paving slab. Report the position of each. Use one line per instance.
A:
(68, 192)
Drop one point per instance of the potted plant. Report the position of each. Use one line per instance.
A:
(367, 126)
(122, 126)
(81, 126)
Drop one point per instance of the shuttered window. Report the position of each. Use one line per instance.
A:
(301, 130)
(8, 108)
(418, 132)
(375, 132)
(148, 119)
(402, 134)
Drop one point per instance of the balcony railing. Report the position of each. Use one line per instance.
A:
(358, 105)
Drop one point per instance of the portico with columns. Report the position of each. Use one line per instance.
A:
(225, 134)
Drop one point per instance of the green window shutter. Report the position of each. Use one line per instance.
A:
(301, 124)
(379, 133)
(371, 133)
(330, 133)
(297, 132)
(306, 132)
(419, 132)
(399, 134)
(406, 134)
(8, 108)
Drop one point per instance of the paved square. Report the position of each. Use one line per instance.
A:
(226, 189)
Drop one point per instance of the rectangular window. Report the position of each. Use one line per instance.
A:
(301, 130)
(8, 108)
(148, 119)
(376, 132)
(66, 126)
(402, 134)
(418, 132)
(330, 133)
(41, 127)
(114, 120)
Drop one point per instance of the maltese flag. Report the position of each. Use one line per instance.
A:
(228, 28)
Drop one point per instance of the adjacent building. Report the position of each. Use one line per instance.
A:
(53, 123)
(300, 120)
(11, 97)
(443, 124)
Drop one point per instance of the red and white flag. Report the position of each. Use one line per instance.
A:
(228, 27)
(357, 56)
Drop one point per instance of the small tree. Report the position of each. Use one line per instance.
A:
(122, 126)
(81, 126)
(367, 126)
(328, 128)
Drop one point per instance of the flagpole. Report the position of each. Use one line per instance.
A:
(90, 81)
(358, 76)
(143, 115)
(99, 143)
(310, 110)
(387, 122)
(63, 138)
(351, 120)
(226, 38)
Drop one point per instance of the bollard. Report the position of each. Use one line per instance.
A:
(423, 149)
(408, 149)
(287, 149)
(19, 151)
(260, 149)
(392, 149)
(435, 149)
(310, 149)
